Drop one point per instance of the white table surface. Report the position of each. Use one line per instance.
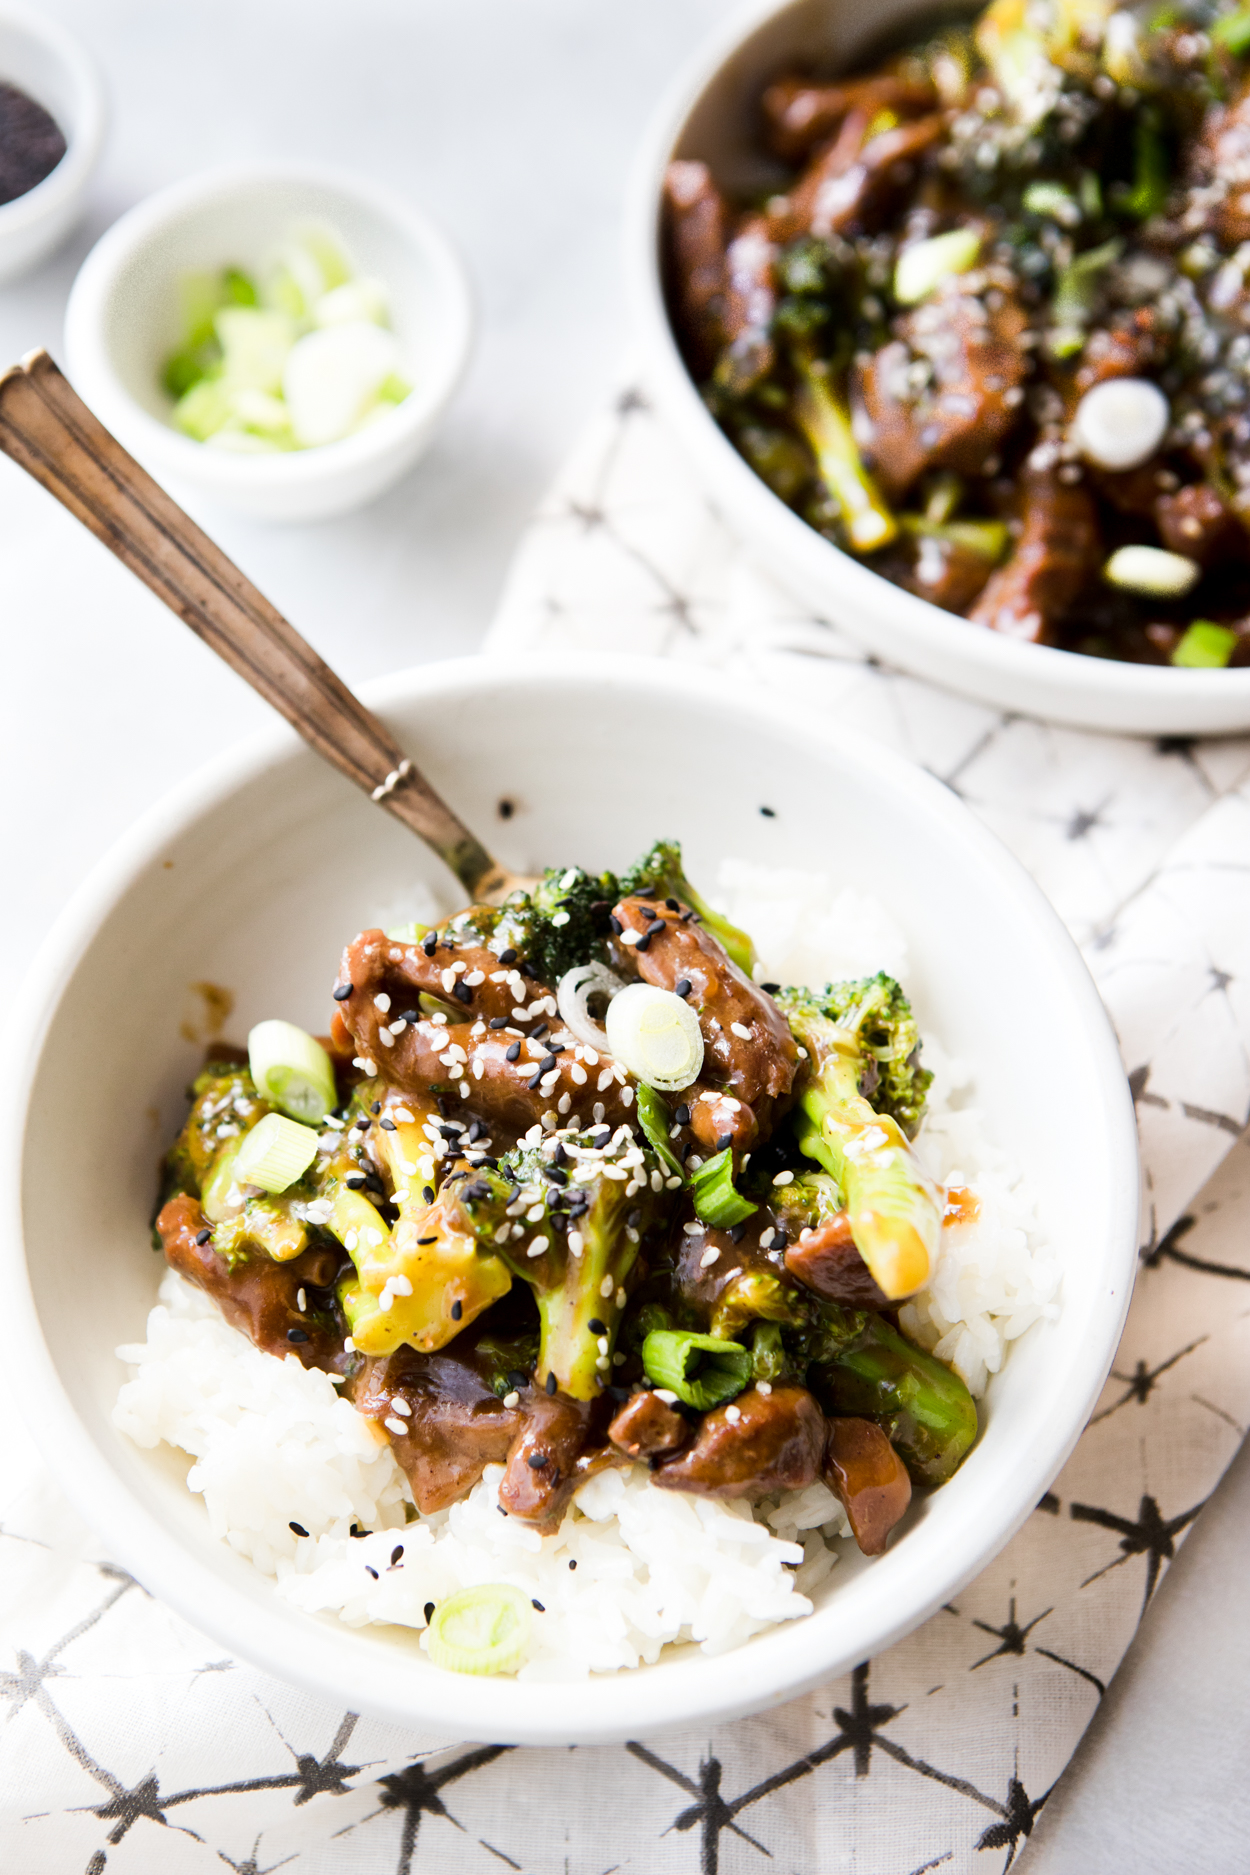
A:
(515, 122)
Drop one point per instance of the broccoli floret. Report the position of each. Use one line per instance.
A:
(587, 1242)
(878, 1014)
(660, 871)
(563, 922)
(894, 1205)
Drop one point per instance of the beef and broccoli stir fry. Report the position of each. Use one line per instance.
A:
(565, 1188)
(985, 323)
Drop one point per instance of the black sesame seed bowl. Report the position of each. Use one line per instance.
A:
(251, 877)
(53, 118)
(713, 116)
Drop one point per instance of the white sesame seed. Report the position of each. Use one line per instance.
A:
(560, 918)
(349, 1346)
(766, 1238)
(597, 1112)
(464, 1090)
(605, 1287)
(395, 1425)
(784, 1178)
(536, 1248)
(627, 1097)
(741, 1030)
(475, 977)
(710, 1256)
(577, 1073)
(692, 1229)
(385, 1037)
(301, 1301)
(577, 1243)
(630, 937)
(602, 1344)
(591, 1057)
(620, 1298)
(564, 1103)
(401, 1406)
(382, 1002)
(568, 879)
(764, 1386)
(733, 1414)
(673, 1182)
(662, 1393)
(512, 1399)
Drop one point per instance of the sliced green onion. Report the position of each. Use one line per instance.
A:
(410, 933)
(1052, 200)
(215, 1196)
(481, 1630)
(655, 1120)
(700, 1369)
(1233, 32)
(1205, 646)
(1153, 571)
(924, 265)
(292, 1071)
(275, 1153)
(716, 1201)
(656, 1035)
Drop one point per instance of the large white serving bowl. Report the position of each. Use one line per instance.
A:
(712, 113)
(124, 319)
(51, 66)
(254, 873)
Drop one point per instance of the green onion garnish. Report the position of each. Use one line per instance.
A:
(292, 1071)
(699, 1369)
(275, 1153)
(716, 1202)
(1205, 646)
(655, 1120)
(481, 1630)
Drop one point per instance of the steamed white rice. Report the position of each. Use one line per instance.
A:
(274, 1445)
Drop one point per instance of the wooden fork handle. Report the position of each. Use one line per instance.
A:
(49, 431)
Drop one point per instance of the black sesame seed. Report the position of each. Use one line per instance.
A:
(296, 1334)
(516, 1379)
(535, 1078)
(683, 1151)
(644, 942)
(476, 1129)
(737, 1233)
(616, 924)
(357, 1531)
(597, 1327)
(539, 1606)
(342, 993)
(457, 1309)
(683, 987)
(429, 943)
(297, 1527)
(425, 1240)
(657, 924)
(508, 956)
(672, 904)
(547, 1063)
(448, 1132)
(635, 1218)
(769, 813)
(780, 1239)
(388, 1124)
(572, 1562)
(556, 1176)
(724, 1141)
(536, 1035)
(427, 1194)
(369, 1570)
(646, 891)
(461, 991)
(499, 1022)
(202, 1236)
(396, 1553)
(551, 1383)
(682, 1116)
(376, 1107)
(513, 1053)
(689, 917)
(429, 1610)
(770, 989)
(536, 1461)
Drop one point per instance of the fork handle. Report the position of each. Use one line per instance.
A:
(47, 429)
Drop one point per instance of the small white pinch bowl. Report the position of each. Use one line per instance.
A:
(712, 113)
(50, 66)
(123, 320)
(252, 876)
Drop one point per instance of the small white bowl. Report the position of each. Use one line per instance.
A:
(252, 875)
(713, 114)
(50, 66)
(123, 320)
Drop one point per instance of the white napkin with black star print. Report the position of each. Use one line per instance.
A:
(128, 1744)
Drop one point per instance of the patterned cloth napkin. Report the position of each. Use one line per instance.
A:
(127, 1743)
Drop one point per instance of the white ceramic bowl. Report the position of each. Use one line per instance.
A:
(49, 65)
(712, 114)
(123, 319)
(254, 873)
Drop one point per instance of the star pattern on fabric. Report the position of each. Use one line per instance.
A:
(417, 1792)
(1150, 1534)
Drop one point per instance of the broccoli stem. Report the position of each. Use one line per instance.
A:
(826, 424)
(923, 1406)
(894, 1206)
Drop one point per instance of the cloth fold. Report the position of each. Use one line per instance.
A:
(127, 1743)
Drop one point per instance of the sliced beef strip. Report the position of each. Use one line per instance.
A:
(750, 302)
(826, 1261)
(454, 1427)
(1057, 552)
(1195, 520)
(852, 181)
(696, 229)
(943, 571)
(758, 1444)
(257, 1296)
(945, 392)
(647, 1427)
(375, 965)
(871, 1479)
(799, 114)
(558, 1447)
(747, 1076)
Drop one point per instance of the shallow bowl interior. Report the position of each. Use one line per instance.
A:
(713, 114)
(252, 878)
(124, 319)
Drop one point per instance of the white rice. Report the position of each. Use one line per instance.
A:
(274, 1444)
